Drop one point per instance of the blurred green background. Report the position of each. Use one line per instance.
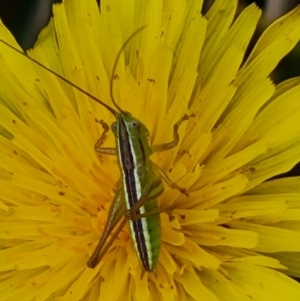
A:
(25, 19)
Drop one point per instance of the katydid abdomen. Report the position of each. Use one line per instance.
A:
(146, 235)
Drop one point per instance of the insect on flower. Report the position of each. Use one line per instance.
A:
(140, 184)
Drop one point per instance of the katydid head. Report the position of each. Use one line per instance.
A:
(134, 127)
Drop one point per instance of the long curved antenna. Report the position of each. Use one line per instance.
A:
(116, 63)
(63, 79)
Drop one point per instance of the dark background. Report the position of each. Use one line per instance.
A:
(25, 18)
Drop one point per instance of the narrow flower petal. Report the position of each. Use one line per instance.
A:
(261, 283)
(231, 234)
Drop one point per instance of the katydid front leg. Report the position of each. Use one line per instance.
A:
(166, 146)
(104, 150)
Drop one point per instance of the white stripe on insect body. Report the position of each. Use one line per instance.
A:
(133, 192)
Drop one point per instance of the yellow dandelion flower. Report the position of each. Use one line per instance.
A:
(235, 237)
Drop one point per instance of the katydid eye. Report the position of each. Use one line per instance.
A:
(114, 126)
(136, 124)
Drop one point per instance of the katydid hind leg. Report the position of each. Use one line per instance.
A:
(116, 212)
(150, 194)
(166, 146)
(117, 186)
(146, 214)
(109, 243)
(145, 199)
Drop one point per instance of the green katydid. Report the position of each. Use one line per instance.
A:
(140, 183)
